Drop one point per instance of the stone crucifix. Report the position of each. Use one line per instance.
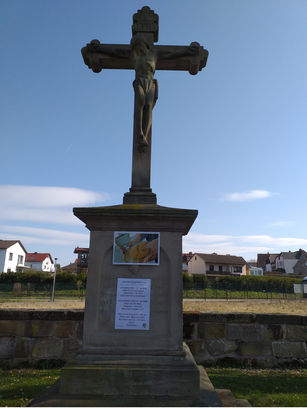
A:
(145, 58)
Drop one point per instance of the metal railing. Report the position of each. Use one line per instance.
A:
(199, 290)
(76, 291)
(39, 291)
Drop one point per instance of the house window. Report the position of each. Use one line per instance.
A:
(10, 256)
(237, 269)
(20, 260)
(220, 269)
(8, 270)
(211, 267)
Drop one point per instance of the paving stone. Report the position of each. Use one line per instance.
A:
(229, 400)
(297, 333)
(243, 332)
(64, 329)
(12, 328)
(254, 349)
(47, 349)
(221, 346)
(211, 330)
(6, 347)
(285, 349)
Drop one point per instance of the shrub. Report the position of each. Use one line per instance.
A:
(200, 281)
(27, 277)
(255, 283)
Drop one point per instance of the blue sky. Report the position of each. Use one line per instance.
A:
(230, 141)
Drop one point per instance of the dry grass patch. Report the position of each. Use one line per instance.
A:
(43, 305)
(297, 307)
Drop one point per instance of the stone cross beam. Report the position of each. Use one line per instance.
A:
(145, 58)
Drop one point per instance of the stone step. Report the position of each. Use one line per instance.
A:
(229, 400)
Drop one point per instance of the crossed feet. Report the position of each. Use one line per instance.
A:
(142, 143)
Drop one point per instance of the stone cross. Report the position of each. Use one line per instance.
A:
(145, 58)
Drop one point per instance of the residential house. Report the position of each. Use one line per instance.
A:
(12, 256)
(186, 257)
(82, 260)
(80, 263)
(214, 263)
(293, 262)
(267, 261)
(70, 268)
(40, 262)
(251, 270)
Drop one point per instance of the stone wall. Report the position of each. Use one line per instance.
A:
(253, 339)
(264, 340)
(33, 336)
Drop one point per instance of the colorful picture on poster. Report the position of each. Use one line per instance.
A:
(136, 248)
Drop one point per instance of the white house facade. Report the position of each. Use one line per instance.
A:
(286, 261)
(214, 263)
(291, 260)
(12, 256)
(40, 262)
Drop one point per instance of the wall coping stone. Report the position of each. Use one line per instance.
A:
(245, 317)
(48, 315)
(189, 317)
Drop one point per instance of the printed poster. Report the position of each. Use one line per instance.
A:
(132, 304)
(136, 248)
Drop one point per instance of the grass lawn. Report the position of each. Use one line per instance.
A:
(19, 386)
(260, 387)
(263, 387)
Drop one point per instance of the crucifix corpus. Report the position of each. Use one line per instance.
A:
(145, 58)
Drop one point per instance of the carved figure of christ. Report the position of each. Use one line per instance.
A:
(144, 58)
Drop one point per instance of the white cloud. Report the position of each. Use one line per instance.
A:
(29, 235)
(45, 215)
(41, 206)
(276, 241)
(221, 244)
(281, 223)
(48, 196)
(247, 196)
(259, 239)
(206, 238)
(44, 204)
(247, 246)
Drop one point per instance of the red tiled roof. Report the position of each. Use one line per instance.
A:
(187, 256)
(37, 257)
(81, 250)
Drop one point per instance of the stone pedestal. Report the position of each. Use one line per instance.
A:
(124, 367)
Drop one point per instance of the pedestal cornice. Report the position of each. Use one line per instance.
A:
(136, 217)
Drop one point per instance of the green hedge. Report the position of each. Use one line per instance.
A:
(197, 281)
(42, 278)
(256, 283)
(242, 283)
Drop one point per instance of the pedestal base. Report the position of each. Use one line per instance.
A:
(130, 381)
(138, 196)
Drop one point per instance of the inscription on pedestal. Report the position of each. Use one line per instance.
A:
(132, 304)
